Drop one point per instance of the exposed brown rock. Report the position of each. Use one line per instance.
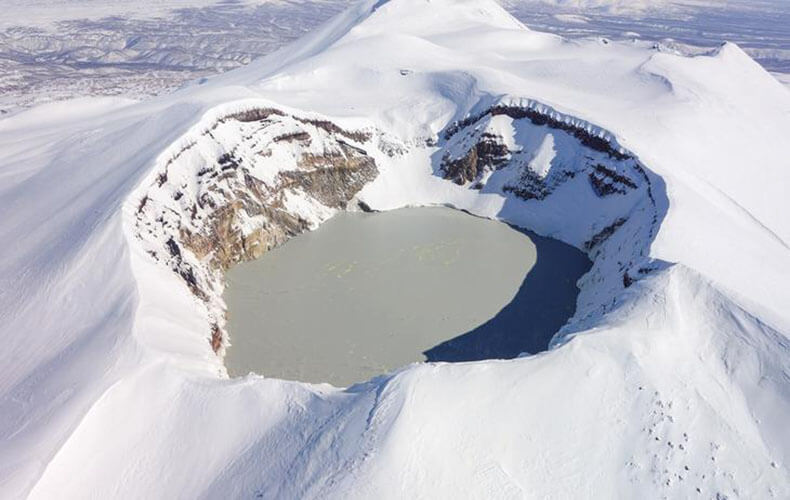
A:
(233, 216)
(224, 244)
(488, 153)
(326, 125)
(216, 337)
(518, 112)
(333, 187)
(254, 115)
(293, 137)
(463, 169)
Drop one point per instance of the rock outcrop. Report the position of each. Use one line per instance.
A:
(487, 154)
(244, 186)
(472, 151)
(553, 165)
(251, 180)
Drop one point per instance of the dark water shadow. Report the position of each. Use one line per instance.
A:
(544, 302)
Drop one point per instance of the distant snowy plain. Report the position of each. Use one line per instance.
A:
(60, 49)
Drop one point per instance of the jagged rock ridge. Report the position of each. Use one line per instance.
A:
(487, 141)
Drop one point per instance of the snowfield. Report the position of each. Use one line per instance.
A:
(671, 171)
(759, 27)
(60, 49)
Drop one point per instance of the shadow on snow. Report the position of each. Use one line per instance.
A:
(544, 302)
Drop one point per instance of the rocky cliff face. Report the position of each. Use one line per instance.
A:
(486, 154)
(564, 170)
(245, 185)
(490, 140)
(251, 180)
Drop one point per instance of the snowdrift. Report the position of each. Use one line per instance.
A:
(672, 379)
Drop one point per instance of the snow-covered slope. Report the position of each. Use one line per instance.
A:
(59, 49)
(55, 49)
(671, 172)
(760, 27)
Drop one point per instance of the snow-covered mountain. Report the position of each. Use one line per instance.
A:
(59, 49)
(670, 172)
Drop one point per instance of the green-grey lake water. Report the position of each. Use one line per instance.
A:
(366, 293)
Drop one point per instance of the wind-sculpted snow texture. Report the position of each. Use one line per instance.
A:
(672, 379)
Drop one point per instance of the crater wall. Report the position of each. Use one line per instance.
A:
(250, 179)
